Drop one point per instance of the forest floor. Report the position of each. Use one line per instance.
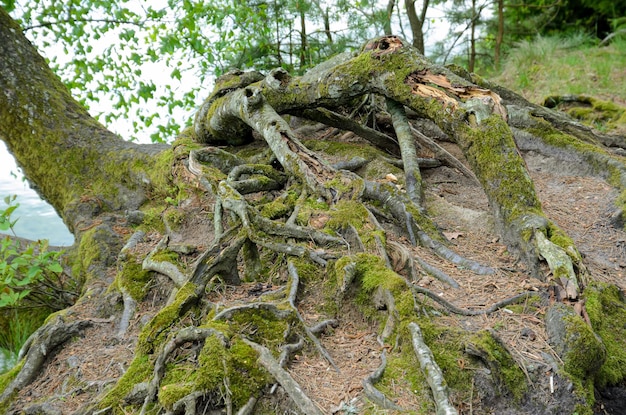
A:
(582, 206)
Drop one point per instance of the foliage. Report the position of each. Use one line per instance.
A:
(548, 65)
(123, 60)
(30, 274)
(526, 19)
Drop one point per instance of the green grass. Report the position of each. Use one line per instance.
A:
(566, 65)
(20, 327)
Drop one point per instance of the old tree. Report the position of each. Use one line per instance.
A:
(269, 262)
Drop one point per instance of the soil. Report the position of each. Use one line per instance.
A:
(582, 206)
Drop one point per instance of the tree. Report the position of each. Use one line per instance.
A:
(166, 232)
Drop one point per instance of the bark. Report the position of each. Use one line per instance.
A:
(279, 219)
(39, 118)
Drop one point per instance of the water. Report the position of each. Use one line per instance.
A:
(37, 219)
(8, 359)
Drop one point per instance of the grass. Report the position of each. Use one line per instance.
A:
(20, 327)
(566, 65)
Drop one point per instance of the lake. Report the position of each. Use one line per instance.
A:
(37, 219)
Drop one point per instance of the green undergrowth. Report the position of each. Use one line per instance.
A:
(558, 66)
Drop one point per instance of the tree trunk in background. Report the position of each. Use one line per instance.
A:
(417, 23)
(499, 34)
(387, 24)
(472, 55)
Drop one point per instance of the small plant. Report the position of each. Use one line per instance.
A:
(30, 274)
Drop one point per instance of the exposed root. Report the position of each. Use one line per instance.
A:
(228, 313)
(295, 281)
(446, 253)
(248, 407)
(164, 267)
(353, 164)
(288, 350)
(293, 389)
(443, 155)
(413, 178)
(372, 393)
(334, 119)
(188, 334)
(323, 326)
(43, 341)
(130, 305)
(465, 312)
(437, 273)
(433, 373)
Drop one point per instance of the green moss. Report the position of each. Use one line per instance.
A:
(152, 220)
(174, 217)
(607, 313)
(153, 334)
(584, 353)
(133, 278)
(505, 371)
(236, 363)
(261, 326)
(374, 273)
(503, 173)
(170, 393)
(276, 209)
(139, 371)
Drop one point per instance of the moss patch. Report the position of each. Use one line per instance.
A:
(133, 278)
(607, 312)
(505, 371)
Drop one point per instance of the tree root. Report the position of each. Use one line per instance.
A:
(437, 273)
(130, 305)
(40, 344)
(433, 373)
(465, 312)
(164, 267)
(293, 389)
(289, 349)
(413, 178)
(228, 313)
(443, 155)
(372, 393)
(295, 281)
(188, 334)
(446, 253)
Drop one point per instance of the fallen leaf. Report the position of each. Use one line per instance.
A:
(452, 235)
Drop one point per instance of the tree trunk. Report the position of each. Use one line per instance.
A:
(499, 34)
(245, 278)
(417, 23)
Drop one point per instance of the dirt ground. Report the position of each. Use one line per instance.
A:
(582, 206)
